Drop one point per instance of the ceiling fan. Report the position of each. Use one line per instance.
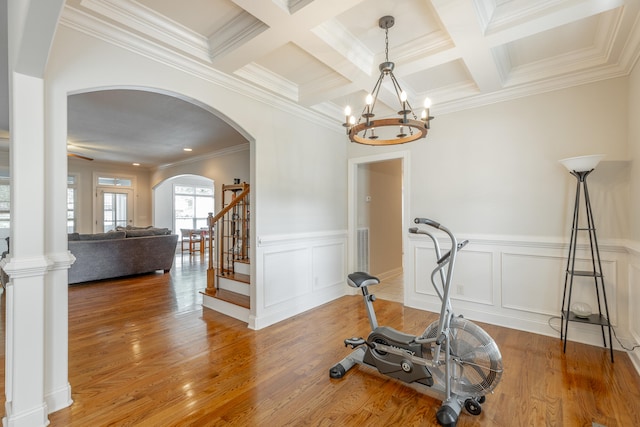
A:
(76, 155)
(79, 156)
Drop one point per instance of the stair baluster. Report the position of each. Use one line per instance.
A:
(231, 225)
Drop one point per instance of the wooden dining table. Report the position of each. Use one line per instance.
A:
(200, 235)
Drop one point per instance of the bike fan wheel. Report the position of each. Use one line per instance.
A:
(476, 362)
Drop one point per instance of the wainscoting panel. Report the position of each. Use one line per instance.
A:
(518, 283)
(634, 308)
(473, 274)
(473, 277)
(532, 283)
(287, 275)
(634, 301)
(327, 261)
(423, 265)
(295, 273)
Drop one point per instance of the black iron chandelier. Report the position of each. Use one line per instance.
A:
(406, 127)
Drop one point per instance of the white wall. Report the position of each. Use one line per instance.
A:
(297, 166)
(492, 175)
(494, 170)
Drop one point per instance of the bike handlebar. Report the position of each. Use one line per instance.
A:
(427, 221)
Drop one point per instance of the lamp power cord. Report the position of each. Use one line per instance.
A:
(612, 328)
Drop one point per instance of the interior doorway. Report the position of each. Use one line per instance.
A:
(379, 206)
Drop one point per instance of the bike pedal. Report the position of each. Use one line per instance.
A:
(354, 342)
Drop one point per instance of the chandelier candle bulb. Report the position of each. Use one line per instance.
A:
(425, 114)
(403, 100)
(347, 119)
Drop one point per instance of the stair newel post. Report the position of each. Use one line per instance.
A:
(211, 276)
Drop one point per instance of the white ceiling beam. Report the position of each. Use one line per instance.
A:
(460, 19)
(283, 28)
(507, 29)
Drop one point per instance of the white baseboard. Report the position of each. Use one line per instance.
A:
(59, 399)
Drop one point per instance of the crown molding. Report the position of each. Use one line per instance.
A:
(271, 81)
(234, 33)
(152, 24)
(524, 90)
(85, 23)
(219, 153)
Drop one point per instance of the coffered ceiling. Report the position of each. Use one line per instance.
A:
(324, 54)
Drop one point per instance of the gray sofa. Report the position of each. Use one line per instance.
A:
(121, 253)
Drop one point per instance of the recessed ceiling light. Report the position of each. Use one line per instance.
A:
(136, 164)
(187, 149)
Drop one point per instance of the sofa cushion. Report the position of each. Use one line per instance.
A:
(147, 232)
(111, 235)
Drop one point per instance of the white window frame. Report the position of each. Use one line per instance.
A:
(98, 189)
(74, 187)
(194, 219)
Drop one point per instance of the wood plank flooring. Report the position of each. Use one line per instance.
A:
(144, 353)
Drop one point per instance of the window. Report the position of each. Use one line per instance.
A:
(192, 206)
(71, 203)
(5, 203)
(114, 182)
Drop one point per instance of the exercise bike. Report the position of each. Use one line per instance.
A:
(453, 356)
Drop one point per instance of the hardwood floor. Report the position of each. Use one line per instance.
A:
(143, 352)
(391, 288)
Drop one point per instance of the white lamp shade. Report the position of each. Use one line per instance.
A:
(582, 163)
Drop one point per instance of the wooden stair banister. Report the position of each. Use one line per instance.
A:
(215, 222)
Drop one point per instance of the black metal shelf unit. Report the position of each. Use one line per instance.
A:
(598, 318)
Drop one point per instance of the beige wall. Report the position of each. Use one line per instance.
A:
(634, 196)
(634, 152)
(385, 217)
(85, 170)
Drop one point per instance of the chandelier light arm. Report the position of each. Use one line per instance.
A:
(406, 106)
(374, 94)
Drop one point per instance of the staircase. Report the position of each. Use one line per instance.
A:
(229, 271)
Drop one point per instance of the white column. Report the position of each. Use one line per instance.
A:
(57, 390)
(31, 27)
(26, 264)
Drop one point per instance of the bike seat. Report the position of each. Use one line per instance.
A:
(360, 279)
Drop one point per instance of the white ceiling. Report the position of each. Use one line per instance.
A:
(324, 54)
